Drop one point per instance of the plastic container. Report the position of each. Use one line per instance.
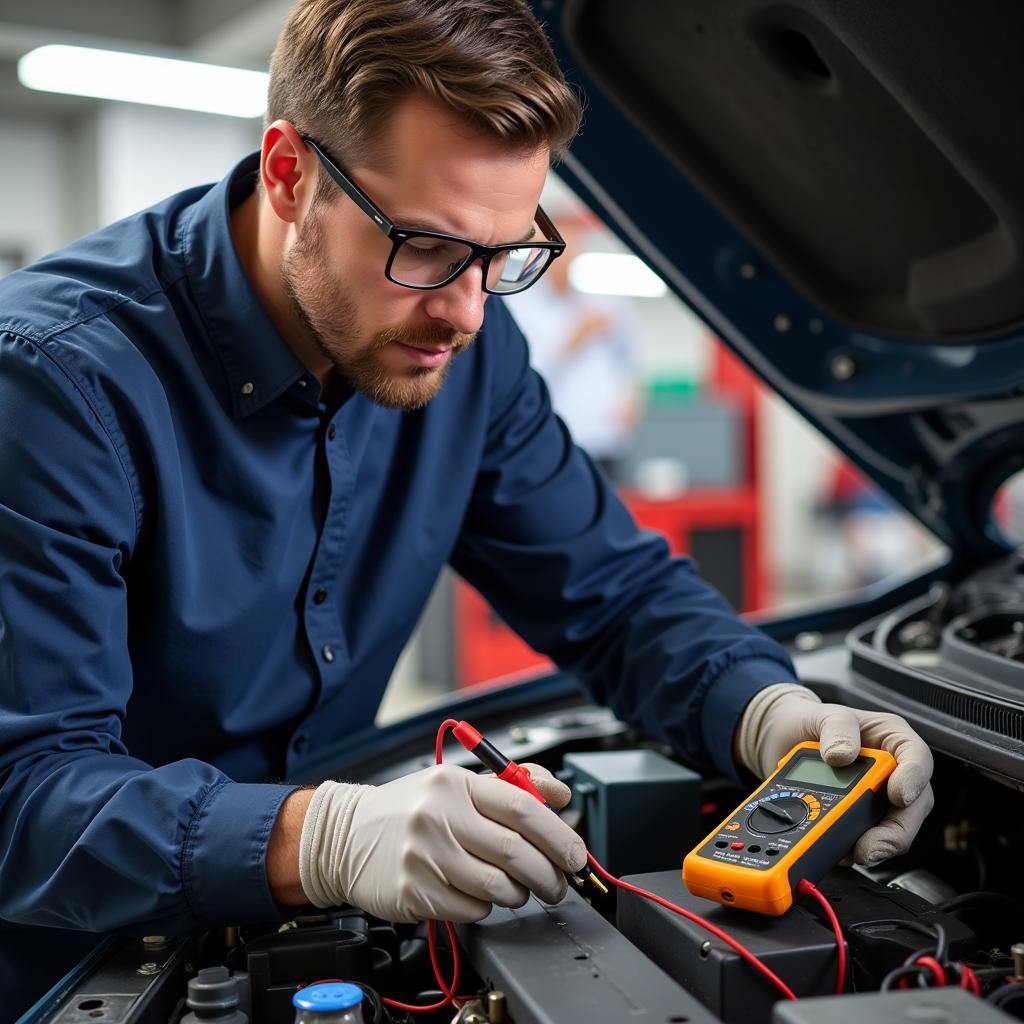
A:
(329, 1002)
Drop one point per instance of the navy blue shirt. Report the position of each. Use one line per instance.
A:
(205, 570)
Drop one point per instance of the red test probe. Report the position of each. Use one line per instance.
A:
(508, 771)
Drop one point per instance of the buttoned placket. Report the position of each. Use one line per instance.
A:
(321, 614)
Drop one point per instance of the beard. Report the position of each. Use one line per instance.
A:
(331, 318)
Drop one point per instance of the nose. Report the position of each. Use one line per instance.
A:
(461, 303)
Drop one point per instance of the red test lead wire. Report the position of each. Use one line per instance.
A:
(492, 758)
(472, 740)
(806, 886)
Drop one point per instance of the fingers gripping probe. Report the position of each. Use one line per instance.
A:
(508, 771)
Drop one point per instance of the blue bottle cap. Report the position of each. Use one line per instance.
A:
(328, 996)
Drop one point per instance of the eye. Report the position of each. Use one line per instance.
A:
(418, 250)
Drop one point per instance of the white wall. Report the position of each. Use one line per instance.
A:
(34, 207)
(146, 153)
(61, 180)
(795, 465)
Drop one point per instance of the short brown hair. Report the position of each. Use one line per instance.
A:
(340, 66)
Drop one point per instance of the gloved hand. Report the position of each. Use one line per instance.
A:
(779, 717)
(442, 843)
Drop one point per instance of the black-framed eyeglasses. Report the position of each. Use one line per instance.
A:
(431, 259)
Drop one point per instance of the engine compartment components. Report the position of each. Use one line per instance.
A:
(799, 946)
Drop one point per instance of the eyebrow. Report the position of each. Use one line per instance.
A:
(425, 225)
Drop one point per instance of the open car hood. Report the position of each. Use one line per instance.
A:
(835, 189)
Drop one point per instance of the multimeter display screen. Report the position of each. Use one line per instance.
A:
(813, 772)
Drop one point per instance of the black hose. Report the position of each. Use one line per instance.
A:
(975, 899)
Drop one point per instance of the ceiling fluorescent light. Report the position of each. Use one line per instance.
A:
(138, 78)
(614, 273)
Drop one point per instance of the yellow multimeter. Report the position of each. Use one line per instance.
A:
(802, 821)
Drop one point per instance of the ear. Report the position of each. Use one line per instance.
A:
(288, 168)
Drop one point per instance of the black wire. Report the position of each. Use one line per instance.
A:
(1007, 994)
(375, 1001)
(910, 969)
(903, 972)
(936, 932)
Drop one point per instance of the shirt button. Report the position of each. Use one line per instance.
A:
(319, 596)
(332, 430)
(328, 652)
(299, 743)
(248, 388)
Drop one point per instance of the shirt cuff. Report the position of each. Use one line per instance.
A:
(725, 702)
(224, 859)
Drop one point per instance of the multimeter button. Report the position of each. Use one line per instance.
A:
(771, 817)
(772, 853)
(721, 844)
(736, 846)
(754, 849)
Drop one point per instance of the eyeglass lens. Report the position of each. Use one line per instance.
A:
(421, 261)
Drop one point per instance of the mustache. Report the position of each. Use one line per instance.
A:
(428, 336)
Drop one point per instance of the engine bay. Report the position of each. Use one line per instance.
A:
(951, 661)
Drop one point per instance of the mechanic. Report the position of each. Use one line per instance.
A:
(243, 432)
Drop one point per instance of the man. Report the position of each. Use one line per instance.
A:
(243, 432)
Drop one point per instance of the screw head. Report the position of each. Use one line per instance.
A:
(809, 641)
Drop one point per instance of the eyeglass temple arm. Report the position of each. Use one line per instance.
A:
(351, 189)
(547, 225)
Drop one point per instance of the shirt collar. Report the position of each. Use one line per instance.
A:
(257, 361)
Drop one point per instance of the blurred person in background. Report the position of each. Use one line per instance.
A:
(863, 538)
(584, 346)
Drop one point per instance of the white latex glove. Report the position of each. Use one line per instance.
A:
(442, 843)
(779, 717)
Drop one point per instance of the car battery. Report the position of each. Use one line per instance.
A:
(799, 949)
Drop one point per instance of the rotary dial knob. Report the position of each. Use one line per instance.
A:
(771, 817)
